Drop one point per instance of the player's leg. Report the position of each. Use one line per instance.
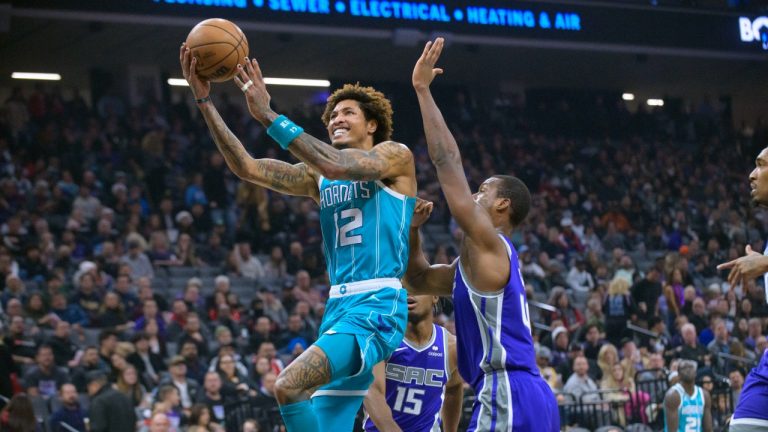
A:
(533, 406)
(336, 413)
(309, 370)
(331, 358)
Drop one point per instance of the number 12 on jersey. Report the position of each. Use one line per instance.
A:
(342, 232)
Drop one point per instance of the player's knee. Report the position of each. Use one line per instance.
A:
(286, 393)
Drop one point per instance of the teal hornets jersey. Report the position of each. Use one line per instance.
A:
(691, 410)
(365, 228)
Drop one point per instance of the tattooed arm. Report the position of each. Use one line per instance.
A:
(387, 160)
(273, 174)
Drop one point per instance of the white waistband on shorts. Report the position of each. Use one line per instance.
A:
(749, 422)
(352, 288)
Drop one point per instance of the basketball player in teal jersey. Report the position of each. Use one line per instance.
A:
(364, 184)
(687, 407)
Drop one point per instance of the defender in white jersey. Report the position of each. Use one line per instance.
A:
(751, 413)
(365, 185)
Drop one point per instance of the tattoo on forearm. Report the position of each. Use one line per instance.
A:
(310, 370)
(282, 176)
(355, 164)
(229, 146)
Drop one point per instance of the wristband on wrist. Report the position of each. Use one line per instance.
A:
(284, 131)
(203, 100)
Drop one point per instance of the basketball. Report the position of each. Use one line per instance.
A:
(218, 45)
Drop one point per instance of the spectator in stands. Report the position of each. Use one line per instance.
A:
(128, 384)
(618, 380)
(71, 313)
(195, 303)
(45, 378)
(277, 266)
(188, 389)
(606, 358)
(232, 378)
(214, 253)
(200, 420)
(86, 296)
(618, 309)
(123, 289)
(168, 402)
(196, 333)
(150, 312)
(593, 342)
(215, 395)
(547, 372)
(112, 314)
(698, 314)
(185, 251)
(138, 261)
(18, 415)
(720, 345)
(570, 317)
(110, 410)
(295, 330)
(149, 365)
(691, 348)
(160, 422)
(580, 385)
(107, 344)
(579, 278)
(251, 425)
(736, 378)
(244, 263)
(304, 291)
(160, 254)
(268, 351)
(267, 388)
(646, 293)
(64, 351)
(70, 411)
(273, 307)
(632, 359)
(560, 341)
(37, 311)
(222, 285)
(179, 311)
(89, 362)
(20, 341)
(196, 367)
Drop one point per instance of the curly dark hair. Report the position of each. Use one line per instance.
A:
(374, 104)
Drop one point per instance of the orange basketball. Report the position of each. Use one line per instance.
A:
(219, 45)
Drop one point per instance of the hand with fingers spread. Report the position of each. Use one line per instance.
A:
(251, 82)
(425, 71)
(421, 212)
(200, 88)
(746, 268)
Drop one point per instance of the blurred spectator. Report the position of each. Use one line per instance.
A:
(148, 364)
(692, 349)
(70, 411)
(18, 415)
(110, 410)
(138, 261)
(618, 309)
(89, 362)
(215, 396)
(64, 350)
(244, 263)
(570, 316)
(188, 389)
(45, 378)
(128, 384)
(580, 385)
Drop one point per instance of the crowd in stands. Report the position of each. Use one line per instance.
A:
(134, 263)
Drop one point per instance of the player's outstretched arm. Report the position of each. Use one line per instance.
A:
(421, 278)
(444, 152)
(707, 422)
(385, 161)
(375, 401)
(671, 403)
(454, 391)
(273, 174)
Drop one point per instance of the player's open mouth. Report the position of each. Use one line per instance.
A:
(340, 132)
(411, 302)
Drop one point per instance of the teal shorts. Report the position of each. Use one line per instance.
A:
(377, 319)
